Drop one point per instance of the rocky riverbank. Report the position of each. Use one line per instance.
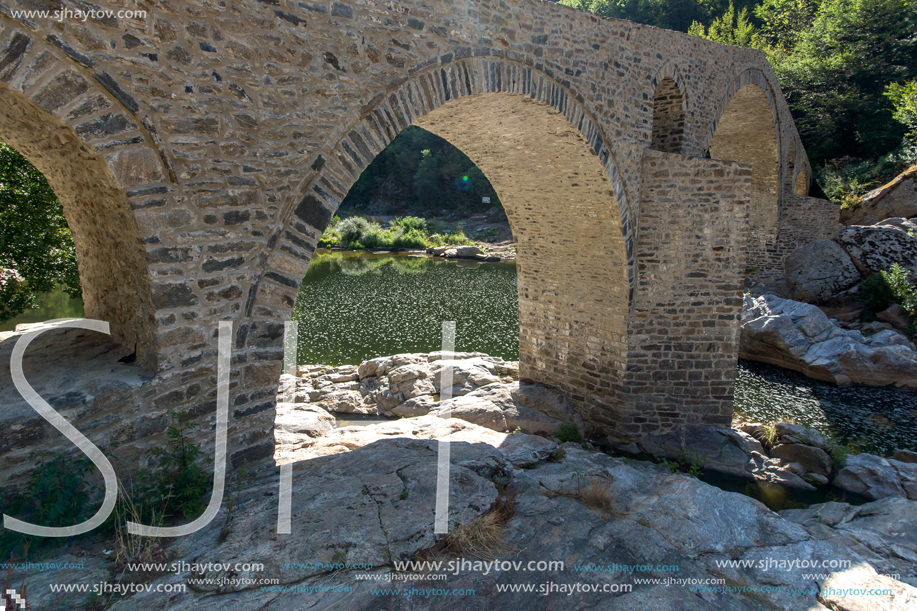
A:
(802, 337)
(363, 499)
(486, 392)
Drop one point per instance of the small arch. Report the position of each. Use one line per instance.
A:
(801, 186)
(668, 117)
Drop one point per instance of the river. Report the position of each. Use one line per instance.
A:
(355, 306)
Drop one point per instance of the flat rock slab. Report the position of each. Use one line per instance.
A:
(352, 507)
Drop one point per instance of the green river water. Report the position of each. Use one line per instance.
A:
(355, 306)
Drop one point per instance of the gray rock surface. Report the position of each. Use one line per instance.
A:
(875, 248)
(801, 337)
(812, 459)
(484, 391)
(497, 407)
(880, 532)
(819, 270)
(871, 476)
(375, 505)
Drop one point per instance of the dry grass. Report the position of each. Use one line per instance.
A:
(128, 547)
(483, 538)
(593, 492)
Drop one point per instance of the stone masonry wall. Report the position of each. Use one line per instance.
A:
(803, 219)
(231, 131)
(690, 260)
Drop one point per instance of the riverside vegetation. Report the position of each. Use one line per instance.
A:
(404, 232)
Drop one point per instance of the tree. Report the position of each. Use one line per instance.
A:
(836, 76)
(35, 240)
(417, 173)
(904, 98)
(730, 28)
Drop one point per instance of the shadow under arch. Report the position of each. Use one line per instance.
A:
(112, 263)
(552, 169)
(747, 131)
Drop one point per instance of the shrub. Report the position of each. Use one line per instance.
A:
(178, 487)
(410, 239)
(457, 238)
(881, 290)
(329, 238)
(353, 229)
(875, 293)
(411, 223)
(376, 237)
(568, 432)
(56, 494)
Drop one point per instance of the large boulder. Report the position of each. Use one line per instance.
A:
(498, 407)
(875, 248)
(296, 424)
(812, 459)
(819, 270)
(871, 476)
(896, 199)
(801, 337)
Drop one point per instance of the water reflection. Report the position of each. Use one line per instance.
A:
(56, 304)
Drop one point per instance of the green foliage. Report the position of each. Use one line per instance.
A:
(847, 180)
(769, 437)
(35, 240)
(670, 14)
(56, 495)
(847, 68)
(671, 465)
(353, 229)
(881, 290)
(903, 97)
(411, 239)
(730, 28)
(176, 489)
(840, 450)
(837, 74)
(411, 223)
(568, 432)
(329, 238)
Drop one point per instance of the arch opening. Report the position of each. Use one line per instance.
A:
(668, 117)
(114, 277)
(801, 186)
(37, 257)
(573, 282)
(747, 133)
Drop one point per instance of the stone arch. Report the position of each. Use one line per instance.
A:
(669, 111)
(112, 265)
(747, 131)
(553, 170)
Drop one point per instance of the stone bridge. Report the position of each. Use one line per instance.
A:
(200, 150)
